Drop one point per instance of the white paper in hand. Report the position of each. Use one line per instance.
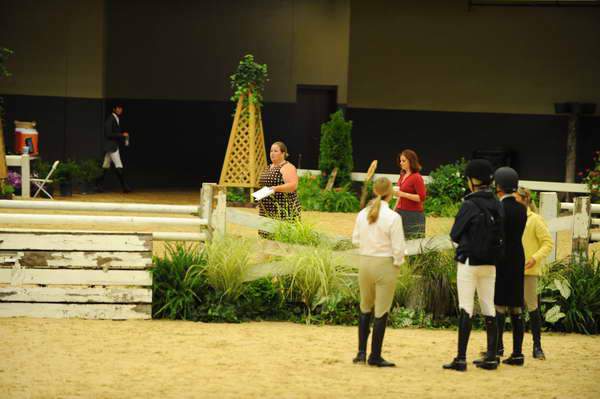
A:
(262, 193)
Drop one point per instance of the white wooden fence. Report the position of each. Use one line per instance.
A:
(85, 275)
(207, 217)
(55, 273)
(91, 274)
(531, 184)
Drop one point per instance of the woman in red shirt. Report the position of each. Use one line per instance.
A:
(411, 195)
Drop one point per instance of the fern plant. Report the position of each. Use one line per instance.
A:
(177, 282)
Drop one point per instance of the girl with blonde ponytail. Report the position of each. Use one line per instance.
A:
(379, 235)
(381, 187)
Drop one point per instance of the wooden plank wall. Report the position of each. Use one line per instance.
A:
(84, 275)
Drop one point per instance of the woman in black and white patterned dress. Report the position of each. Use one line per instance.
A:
(282, 177)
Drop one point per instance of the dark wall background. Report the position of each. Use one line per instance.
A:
(436, 77)
(68, 127)
(537, 143)
(445, 79)
(173, 143)
(182, 143)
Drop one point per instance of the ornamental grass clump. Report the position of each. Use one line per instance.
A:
(316, 274)
(227, 265)
(434, 286)
(297, 232)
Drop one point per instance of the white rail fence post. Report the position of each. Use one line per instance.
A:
(549, 208)
(219, 212)
(581, 227)
(206, 204)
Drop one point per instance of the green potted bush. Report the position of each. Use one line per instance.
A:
(336, 149)
(89, 172)
(6, 189)
(67, 173)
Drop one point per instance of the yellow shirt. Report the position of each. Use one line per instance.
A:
(537, 242)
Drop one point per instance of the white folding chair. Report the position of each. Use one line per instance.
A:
(39, 183)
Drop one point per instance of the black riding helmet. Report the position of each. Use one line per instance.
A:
(507, 179)
(480, 169)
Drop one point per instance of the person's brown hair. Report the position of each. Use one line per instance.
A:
(282, 147)
(382, 188)
(413, 160)
(526, 195)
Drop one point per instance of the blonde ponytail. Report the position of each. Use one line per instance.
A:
(374, 211)
(382, 188)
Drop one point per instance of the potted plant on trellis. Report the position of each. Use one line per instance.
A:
(246, 156)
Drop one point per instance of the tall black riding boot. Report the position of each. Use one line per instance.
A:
(535, 317)
(375, 358)
(100, 181)
(490, 360)
(464, 331)
(500, 322)
(121, 177)
(364, 328)
(516, 358)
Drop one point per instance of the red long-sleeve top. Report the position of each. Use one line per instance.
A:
(413, 184)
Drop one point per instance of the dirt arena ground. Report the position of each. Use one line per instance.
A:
(45, 358)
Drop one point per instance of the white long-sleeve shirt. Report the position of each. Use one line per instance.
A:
(385, 237)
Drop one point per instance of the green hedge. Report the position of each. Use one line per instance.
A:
(319, 289)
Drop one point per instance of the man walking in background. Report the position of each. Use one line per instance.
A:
(113, 136)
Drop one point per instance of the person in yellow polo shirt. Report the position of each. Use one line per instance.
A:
(537, 243)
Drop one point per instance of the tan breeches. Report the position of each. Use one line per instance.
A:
(531, 296)
(377, 281)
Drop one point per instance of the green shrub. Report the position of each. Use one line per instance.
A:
(89, 170)
(309, 192)
(181, 291)
(570, 293)
(401, 317)
(177, 282)
(340, 200)
(66, 172)
(41, 168)
(6, 188)
(447, 189)
(338, 309)
(336, 148)
(237, 194)
(313, 198)
(262, 299)
(297, 232)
